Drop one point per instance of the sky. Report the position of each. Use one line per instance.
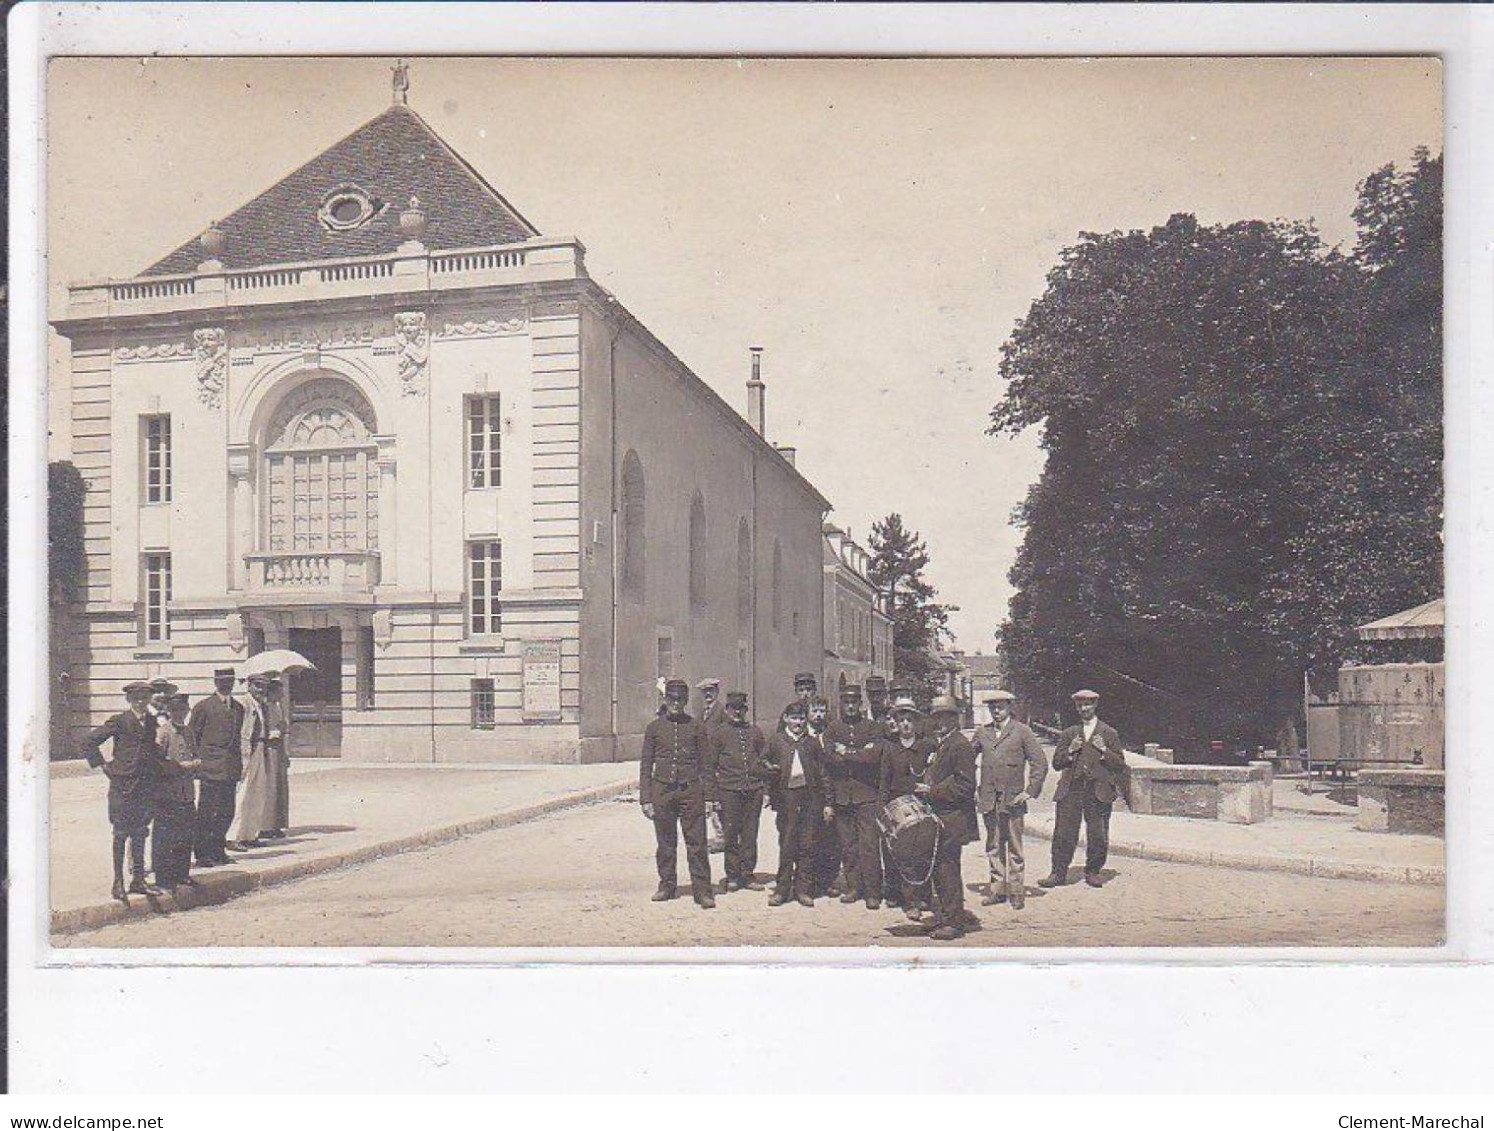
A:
(878, 226)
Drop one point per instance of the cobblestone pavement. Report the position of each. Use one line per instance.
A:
(583, 878)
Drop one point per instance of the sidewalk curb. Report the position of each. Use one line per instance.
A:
(221, 887)
(1252, 862)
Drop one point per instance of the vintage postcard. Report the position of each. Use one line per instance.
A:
(931, 505)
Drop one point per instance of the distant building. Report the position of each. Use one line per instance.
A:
(986, 673)
(376, 417)
(858, 633)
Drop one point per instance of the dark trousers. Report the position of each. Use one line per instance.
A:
(797, 812)
(860, 848)
(215, 808)
(826, 864)
(1079, 804)
(681, 807)
(171, 842)
(949, 884)
(741, 815)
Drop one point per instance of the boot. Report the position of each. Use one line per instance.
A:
(665, 892)
(138, 884)
(118, 890)
(706, 901)
(1053, 881)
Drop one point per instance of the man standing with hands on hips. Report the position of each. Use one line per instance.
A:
(1094, 775)
(1012, 770)
(675, 787)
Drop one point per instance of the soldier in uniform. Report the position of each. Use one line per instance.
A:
(798, 791)
(805, 689)
(713, 714)
(134, 767)
(216, 728)
(877, 704)
(949, 787)
(176, 798)
(904, 762)
(853, 761)
(1093, 774)
(739, 765)
(1012, 769)
(675, 787)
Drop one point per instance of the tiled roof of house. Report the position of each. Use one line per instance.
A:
(982, 664)
(390, 159)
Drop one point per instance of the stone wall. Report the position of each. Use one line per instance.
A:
(1239, 795)
(1401, 801)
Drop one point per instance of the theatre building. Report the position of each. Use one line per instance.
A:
(376, 417)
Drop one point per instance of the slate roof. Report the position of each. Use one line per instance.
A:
(391, 158)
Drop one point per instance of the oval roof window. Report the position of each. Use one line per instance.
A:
(347, 207)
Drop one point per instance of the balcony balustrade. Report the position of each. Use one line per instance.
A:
(327, 572)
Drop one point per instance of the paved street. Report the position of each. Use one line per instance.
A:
(583, 878)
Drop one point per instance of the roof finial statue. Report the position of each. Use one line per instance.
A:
(401, 83)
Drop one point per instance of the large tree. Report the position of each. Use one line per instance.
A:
(898, 560)
(1202, 391)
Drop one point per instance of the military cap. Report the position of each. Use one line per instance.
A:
(178, 697)
(137, 687)
(709, 681)
(851, 691)
(259, 679)
(944, 705)
(676, 689)
(223, 673)
(1000, 696)
(162, 685)
(805, 678)
(1084, 695)
(736, 698)
(795, 710)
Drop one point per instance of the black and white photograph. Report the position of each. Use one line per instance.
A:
(745, 503)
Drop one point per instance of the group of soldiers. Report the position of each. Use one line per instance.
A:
(829, 779)
(178, 772)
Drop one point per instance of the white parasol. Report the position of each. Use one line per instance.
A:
(275, 660)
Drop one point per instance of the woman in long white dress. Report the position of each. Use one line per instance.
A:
(257, 802)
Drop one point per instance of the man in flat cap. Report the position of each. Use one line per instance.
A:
(1012, 769)
(806, 686)
(877, 703)
(1093, 774)
(949, 788)
(905, 761)
(675, 787)
(853, 762)
(825, 868)
(216, 730)
(739, 765)
(798, 790)
(134, 767)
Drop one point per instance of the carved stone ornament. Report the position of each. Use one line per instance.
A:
(472, 328)
(211, 349)
(234, 624)
(153, 352)
(413, 345)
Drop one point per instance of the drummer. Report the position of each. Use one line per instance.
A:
(949, 786)
(905, 758)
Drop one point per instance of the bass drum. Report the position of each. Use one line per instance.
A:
(910, 832)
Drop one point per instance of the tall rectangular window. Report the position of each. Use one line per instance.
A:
(157, 458)
(484, 710)
(665, 660)
(157, 597)
(484, 581)
(484, 441)
(365, 667)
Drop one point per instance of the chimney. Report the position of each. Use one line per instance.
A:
(755, 399)
(786, 452)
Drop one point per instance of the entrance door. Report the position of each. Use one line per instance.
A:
(316, 696)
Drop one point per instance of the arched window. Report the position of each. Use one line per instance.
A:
(634, 531)
(777, 586)
(744, 575)
(698, 582)
(321, 471)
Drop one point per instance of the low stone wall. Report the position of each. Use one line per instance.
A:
(1401, 801)
(1240, 795)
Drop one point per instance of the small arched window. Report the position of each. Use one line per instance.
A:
(777, 586)
(744, 575)
(634, 529)
(698, 583)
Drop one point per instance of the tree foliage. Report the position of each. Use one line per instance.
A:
(898, 559)
(1243, 431)
(67, 566)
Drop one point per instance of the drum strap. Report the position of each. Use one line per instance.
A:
(933, 859)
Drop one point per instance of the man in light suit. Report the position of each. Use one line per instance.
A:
(1094, 775)
(1012, 770)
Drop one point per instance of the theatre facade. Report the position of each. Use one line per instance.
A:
(376, 417)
